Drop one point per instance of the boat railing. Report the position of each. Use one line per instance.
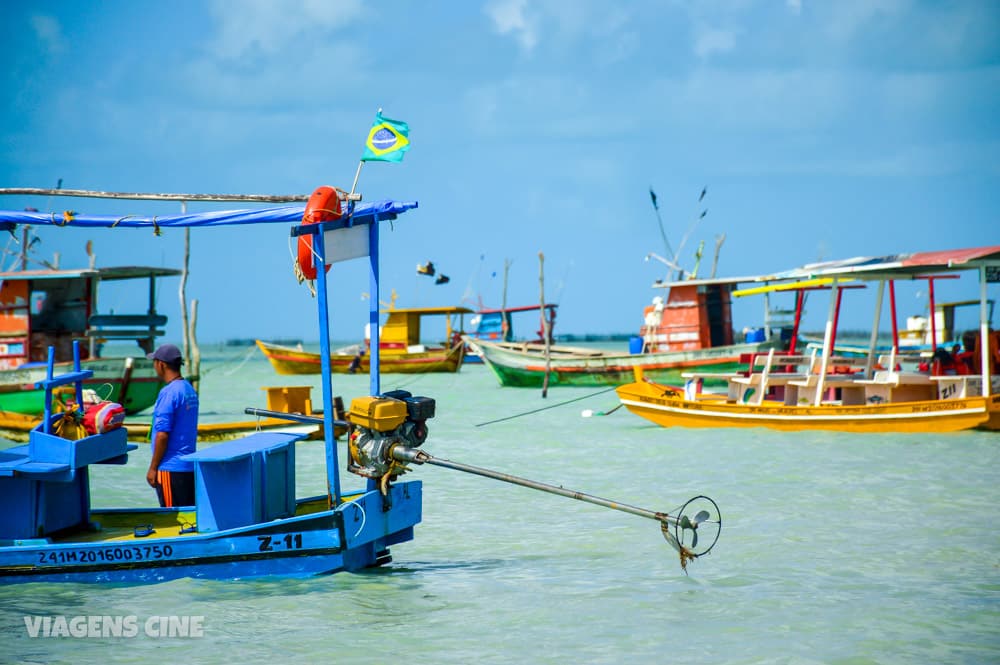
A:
(781, 376)
(143, 328)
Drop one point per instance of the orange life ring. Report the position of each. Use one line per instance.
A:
(323, 206)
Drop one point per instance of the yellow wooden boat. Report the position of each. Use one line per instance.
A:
(870, 392)
(668, 407)
(401, 351)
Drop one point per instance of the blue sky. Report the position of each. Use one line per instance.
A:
(820, 129)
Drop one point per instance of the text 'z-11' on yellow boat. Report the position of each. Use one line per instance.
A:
(869, 392)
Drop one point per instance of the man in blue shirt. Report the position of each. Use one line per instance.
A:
(175, 431)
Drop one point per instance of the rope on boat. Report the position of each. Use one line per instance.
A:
(544, 408)
(246, 357)
(297, 270)
(106, 397)
(243, 362)
(364, 516)
(587, 413)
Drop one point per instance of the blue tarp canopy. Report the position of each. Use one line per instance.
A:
(364, 213)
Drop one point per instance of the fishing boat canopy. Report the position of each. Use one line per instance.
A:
(363, 213)
(401, 331)
(50, 308)
(105, 274)
(896, 266)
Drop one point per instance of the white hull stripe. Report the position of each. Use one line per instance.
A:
(779, 416)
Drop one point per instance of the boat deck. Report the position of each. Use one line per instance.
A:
(153, 524)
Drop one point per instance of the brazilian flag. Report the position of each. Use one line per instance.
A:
(387, 140)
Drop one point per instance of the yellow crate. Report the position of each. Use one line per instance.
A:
(381, 414)
(289, 399)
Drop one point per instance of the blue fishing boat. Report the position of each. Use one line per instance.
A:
(247, 520)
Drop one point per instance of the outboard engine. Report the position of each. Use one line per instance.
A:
(378, 424)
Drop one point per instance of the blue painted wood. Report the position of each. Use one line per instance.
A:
(349, 537)
(50, 381)
(248, 445)
(92, 449)
(373, 306)
(148, 320)
(246, 481)
(322, 307)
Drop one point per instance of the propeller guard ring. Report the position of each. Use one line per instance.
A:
(698, 513)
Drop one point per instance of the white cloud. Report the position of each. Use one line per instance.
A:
(604, 32)
(941, 159)
(49, 32)
(794, 6)
(268, 27)
(217, 83)
(741, 102)
(509, 17)
(518, 107)
(850, 16)
(713, 40)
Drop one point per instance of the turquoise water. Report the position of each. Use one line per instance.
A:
(836, 548)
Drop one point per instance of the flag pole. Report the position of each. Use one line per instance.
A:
(357, 174)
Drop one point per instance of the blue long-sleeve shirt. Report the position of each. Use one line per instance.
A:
(176, 412)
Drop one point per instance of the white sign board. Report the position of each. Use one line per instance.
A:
(346, 244)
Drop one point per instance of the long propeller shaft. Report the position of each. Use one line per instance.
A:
(675, 528)
(295, 417)
(420, 457)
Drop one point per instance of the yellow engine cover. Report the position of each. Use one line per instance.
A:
(382, 414)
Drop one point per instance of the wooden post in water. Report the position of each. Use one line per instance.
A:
(504, 323)
(545, 323)
(182, 292)
(195, 365)
(192, 355)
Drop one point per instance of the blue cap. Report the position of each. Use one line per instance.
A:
(168, 353)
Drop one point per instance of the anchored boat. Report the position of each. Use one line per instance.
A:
(247, 520)
(402, 351)
(50, 308)
(497, 325)
(691, 330)
(868, 392)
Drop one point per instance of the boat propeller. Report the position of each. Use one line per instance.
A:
(688, 524)
(684, 526)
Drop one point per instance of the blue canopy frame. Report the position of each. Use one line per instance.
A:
(362, 213)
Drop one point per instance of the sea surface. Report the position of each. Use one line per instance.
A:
(835, 548)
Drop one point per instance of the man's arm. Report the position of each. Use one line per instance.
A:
(159, 445)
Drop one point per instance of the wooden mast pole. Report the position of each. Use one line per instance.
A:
(545, 323)
(139, 196)
(504, 322)
(719, 239)
(182, 292)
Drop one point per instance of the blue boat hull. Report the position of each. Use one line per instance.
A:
(354, 536)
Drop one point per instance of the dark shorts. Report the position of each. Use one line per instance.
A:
(175, 488)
